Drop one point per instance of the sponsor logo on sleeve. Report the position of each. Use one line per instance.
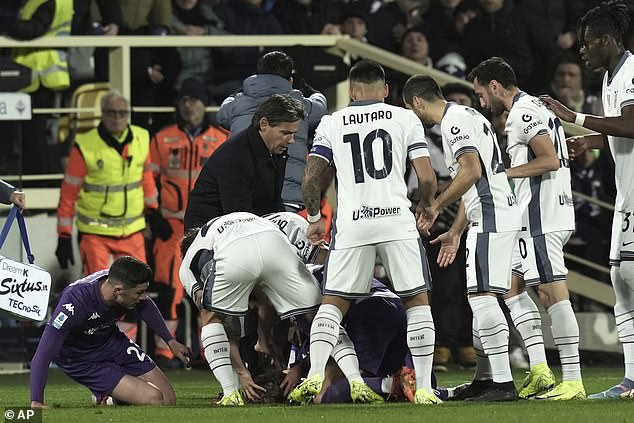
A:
(527, 118)
(59, 320)
(455, 130)
(531, 125)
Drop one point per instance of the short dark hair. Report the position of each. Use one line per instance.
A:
(456, 87)
(494, 68)
(422, 86)
(129, 271)
(609, 18)
(188, 239)
(366, 72)
(279, 108)
(276, 63)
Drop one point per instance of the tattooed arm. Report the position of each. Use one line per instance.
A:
(312, 197)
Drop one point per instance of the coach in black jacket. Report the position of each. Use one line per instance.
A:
(246, 173)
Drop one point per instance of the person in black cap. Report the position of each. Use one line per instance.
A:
(177, 154)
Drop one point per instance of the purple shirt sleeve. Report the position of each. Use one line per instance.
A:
(150, 314)
(49, 346)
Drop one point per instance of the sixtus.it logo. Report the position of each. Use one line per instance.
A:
(22, 414)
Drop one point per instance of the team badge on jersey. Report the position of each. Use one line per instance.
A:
(59, 320)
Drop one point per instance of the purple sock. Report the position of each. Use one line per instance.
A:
(338, 392)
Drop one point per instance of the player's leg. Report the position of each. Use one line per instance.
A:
(623, 283)
(553, 293)
(151, 388)
(526, 318)
(226, 292)
(346, 276)
(406, 265)
(489, 257)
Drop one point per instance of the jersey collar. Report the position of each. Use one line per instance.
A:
(626, 54)
(518, 96)
(363, 102)
(447, 106)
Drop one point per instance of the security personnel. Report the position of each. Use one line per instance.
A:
(177, 154)
(48, 18)
(107, 186)
(49, 77)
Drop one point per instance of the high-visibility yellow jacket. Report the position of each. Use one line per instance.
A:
(49, 66)
(113, 188)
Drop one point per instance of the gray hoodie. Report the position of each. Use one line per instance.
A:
(236, 112)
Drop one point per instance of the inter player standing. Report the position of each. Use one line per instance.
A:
(541, 173)
(83, 339)
(488, 205)
(600, 33)
(369, 143)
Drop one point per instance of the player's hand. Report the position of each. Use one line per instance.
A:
(559, 109)
(425, 218)
(249, 387)
(291, 379)
(18, 198)
(315, 232)
(449, 244)
(180, 351)
(38, 405)
(576, 146)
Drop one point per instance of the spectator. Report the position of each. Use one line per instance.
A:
(193, 17)
(414, 46)
(274, 77)
(242, 17)
(441, 23)
(177, 154)
(514, 34)
(306, 16)
(49, 67)
(556, 18)
(247, 171)
(567, 86)
(111, 19)
(354, 23)
(154, 70)
(384, 21)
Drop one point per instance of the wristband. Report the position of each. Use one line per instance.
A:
(313, 218)
(580, 119)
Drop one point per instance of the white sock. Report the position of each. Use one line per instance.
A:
(566, 336)
(324, 333)
(421, 336)
(386, 385)
(624, 315)
(528, 322)
(216, 346)
(346, 357)
(494, 335)
(483, 367)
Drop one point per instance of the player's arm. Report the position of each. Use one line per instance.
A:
(618, 126)
(49, 346)
(545, 160)
(469, 173)
(150, 314)
(311, 188)
(450, 240)
(246, 380)
(427, 184)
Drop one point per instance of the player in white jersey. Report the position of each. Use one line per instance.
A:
(489, 207)
(369, 143)
(239, 254)
(600, 33)
(541, 173)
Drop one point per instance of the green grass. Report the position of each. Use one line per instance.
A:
(71, 403)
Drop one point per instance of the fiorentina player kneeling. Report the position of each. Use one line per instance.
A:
(83, 339)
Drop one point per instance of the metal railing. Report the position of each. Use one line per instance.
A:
(119, 74)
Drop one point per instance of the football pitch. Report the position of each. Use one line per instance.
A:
(70, 402)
